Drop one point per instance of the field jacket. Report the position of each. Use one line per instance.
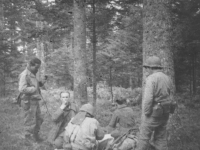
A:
(29, 86)
(158, 88)
(122, 119)
(60, 120)
(85, 134)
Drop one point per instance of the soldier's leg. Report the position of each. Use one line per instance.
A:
(160, 138)
(144, 137)
(39, 119)
(29, 118)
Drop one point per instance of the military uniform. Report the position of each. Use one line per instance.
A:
(30, 95)
(83, 130)
(122, 119)
(61, 118)
(158, 89)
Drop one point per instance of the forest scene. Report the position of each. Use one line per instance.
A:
(96, 49)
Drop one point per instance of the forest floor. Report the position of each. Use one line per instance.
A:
(184, 126)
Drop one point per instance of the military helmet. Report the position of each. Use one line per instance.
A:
(153, 61)
(88, 108)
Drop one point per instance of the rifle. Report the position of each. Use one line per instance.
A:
(119, 140)
(19, 99)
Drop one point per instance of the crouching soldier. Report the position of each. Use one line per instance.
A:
(61, 118)
(121, 122)
(83, 130)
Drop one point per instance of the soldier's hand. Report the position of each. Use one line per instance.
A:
(36, 97)
(63, 106)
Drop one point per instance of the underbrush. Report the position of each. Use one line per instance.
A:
(183, 127)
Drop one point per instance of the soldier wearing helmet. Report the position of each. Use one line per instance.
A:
(83, 130)
(156, 106)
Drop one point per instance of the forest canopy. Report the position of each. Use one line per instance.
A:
(45, 29)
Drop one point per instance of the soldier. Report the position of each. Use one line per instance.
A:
(30, 96)
(83, 130)
(61, 118)
(156, 106)
(122, 119)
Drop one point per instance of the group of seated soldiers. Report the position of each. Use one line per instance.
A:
(79, 130)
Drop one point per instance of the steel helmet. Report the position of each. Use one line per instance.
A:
(153, 62)
(88, 108)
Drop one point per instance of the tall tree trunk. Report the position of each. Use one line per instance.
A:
(191, 79)
(1, 43)
(194, 72)
(94, 56)
(1, 16)
(130, 81)
(111, 89)
(80, 76)
(40, 50)
(157, 34)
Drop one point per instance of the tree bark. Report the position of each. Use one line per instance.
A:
(94, 56)
(3, 79)
(130, 81)
(1, 15)
(111, 89)
(41, 51)
(157, 34)
(80, 77)
(194, 73)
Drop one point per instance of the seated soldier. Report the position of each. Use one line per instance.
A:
(122, 119)
(121, 122)
(61, 118)
(83, 130)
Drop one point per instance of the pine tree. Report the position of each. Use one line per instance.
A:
(157, 28)
(80, 76)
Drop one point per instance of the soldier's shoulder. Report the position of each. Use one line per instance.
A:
(73, 106)
(151, 77)
(23, 73)
(92, 121)
(129, 110)
(156, 75)
(118, 111)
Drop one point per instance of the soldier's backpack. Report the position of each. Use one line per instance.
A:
(127, 141)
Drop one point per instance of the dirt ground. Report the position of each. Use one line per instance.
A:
(184, 126)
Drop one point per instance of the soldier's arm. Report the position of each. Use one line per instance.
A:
(99, 132)
(74, 109)
(57, 115)
(148, 97)
(23, 86)
(113, 122)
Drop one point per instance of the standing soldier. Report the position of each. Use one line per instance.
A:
(30, 96)
(157, 104)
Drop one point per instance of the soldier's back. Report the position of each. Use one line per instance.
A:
(126, 117)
